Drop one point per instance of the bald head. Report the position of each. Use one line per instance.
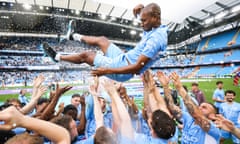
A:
(150, 17)
(153, 10)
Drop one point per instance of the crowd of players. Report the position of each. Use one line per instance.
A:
(169, 118)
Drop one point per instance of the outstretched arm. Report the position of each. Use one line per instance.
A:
(119, 111)
(156, 101)
(137, 9)
(129, 69)
(132, 107)
(200, 119)
(81, 127)
(38, 91)
(36, 83)
(13, 118)
(164, 80)
(227, 125)
(49, 111)
(97, 108)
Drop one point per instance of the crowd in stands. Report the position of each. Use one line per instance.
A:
(26, 77)
(175, 60)
(25, 61)
(177, 115)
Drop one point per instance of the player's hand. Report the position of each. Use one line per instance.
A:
(176, 80)
(137, 9)
(224, 123)
(38, 81)
(61, 90)
(12, 118)
(99, 71)
(164, 80)
(94, 86)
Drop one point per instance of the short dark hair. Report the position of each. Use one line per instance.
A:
(102, 135)
(219, 82)
(76, 95)
(194, 84)
(5, 135)
(231, 92)
(162, 124)
(63, 120)
(69, 108)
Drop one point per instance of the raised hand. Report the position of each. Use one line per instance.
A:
(60, 108)
(164, 80)
(137, 9)
(148, 80)
(93, 87)
(82, 100)
(40, 91)
(38, 81)
(62, 90)
(93, 90)
(176, 80)
(109, 86)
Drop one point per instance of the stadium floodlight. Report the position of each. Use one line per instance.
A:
(103, 16)
(27, 6)
(141, 34)
(235, 9)
(133, 32)
(47, 8)
(113, 18)
(3, 4)
(209, 20)
(221, 15)
(41, 7)
(77, 12)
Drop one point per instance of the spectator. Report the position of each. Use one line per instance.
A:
(198, 93)
(22, 97)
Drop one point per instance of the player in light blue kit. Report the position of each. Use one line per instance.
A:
(116, 64)
(231, 111)
(197, 125)
(218, 95)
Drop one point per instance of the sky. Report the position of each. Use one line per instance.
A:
(172, 10)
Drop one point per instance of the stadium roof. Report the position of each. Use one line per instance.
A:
(185, 18)
(172, 10)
